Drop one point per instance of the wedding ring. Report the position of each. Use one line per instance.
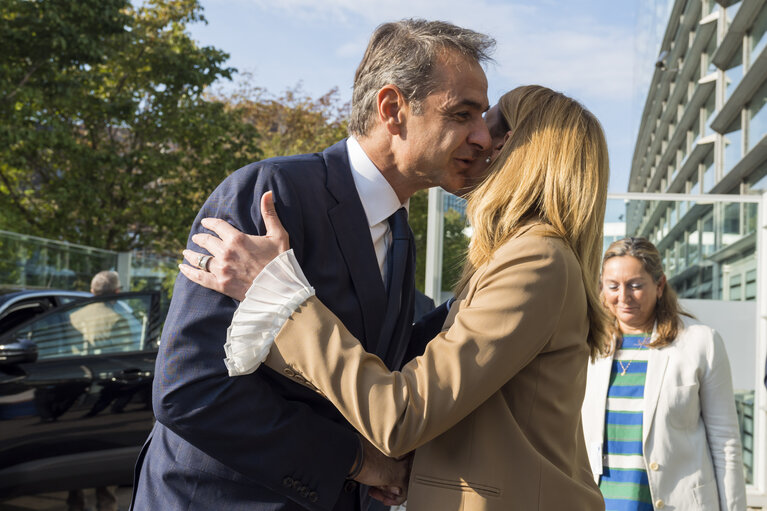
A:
(203, 262)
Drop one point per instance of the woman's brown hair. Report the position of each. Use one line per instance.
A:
(667, 309)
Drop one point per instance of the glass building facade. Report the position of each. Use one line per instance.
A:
(703, 132)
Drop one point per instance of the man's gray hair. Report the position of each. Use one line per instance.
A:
(403, 53)
(105, 282)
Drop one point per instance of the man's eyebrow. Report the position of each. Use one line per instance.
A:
(471, 104)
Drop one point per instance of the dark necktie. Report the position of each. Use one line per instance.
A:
(400, 261)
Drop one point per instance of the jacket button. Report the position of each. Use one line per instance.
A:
(654, 466)
(350, 486)
(289, 372)
(288, 482)
(313, 496)
(303, 491)
(659, 504)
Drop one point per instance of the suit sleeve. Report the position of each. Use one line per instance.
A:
(510, 318)
(243, 422)
(717, 404)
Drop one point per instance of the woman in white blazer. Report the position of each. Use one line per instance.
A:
(659, 413)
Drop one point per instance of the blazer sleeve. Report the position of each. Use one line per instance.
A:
(720, 418)
(501, 327)
(244, 423)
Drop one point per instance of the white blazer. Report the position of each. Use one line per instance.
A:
(690, 435)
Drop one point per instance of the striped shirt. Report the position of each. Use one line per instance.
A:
(624, 481)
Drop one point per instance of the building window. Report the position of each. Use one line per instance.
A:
(693, 242)
(710, 49)
(693, 182)
(710, 111)
(757, 181)
(750, 285)
(758, 39)
(731, 11)
(733, 74)
(757, 114)
(750, 213)
(707, 239)
(733, 146)
(731, 223)
(736, 287)
(709, 177)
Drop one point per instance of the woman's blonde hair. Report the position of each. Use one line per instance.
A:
(667, 309)
(554, 167)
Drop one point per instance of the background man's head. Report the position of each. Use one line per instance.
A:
(105, 282)
(404, 53)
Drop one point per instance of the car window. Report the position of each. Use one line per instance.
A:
(63, 300)
(93, 328)
(23, 310)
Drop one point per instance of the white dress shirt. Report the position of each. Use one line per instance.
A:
(281, 286)
(378, 198)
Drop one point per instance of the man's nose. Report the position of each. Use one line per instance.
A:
(480, 135)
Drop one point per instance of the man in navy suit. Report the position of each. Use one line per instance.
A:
(260, 441)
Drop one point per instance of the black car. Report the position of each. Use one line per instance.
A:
(75, 400)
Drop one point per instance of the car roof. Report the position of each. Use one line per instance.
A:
(10, 295)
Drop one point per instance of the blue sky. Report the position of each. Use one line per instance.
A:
(600, 52)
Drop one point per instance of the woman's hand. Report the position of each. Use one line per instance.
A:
(237, 258)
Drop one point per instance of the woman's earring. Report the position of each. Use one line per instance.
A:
(487, 160)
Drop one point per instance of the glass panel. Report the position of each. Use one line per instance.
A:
(731, 11)
(731, 223)
(99, 327)
(710, 49)
(733, 145)
(707, 238)
(735, 287)
(757, 114)
(693, 243)
(750, 212)
(757, 182)
(30, 262)
(710, 110)
(751, 285)
(758, 39)
(733, 74)
(455, 242)
(709, 176)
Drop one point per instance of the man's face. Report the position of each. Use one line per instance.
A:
(440, 145)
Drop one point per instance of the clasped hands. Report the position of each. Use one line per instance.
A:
(237, 259)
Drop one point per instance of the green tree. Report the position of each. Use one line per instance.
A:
(107, 138)
(293, 122)
(455, 242)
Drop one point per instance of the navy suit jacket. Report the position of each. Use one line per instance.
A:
(261, 441)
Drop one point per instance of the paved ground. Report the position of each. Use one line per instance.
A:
(57, 501)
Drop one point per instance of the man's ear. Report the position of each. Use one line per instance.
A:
(391, 106)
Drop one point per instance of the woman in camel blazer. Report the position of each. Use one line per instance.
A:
(690, 439)
(492, 407)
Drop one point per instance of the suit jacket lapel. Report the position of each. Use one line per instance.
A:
(656, 369)
(353, 236)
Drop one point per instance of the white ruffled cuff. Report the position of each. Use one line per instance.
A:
(272, 298)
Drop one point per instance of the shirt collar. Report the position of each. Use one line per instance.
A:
(379, 200)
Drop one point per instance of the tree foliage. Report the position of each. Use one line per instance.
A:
(106, 136)
(293, 122)
(454, 242)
